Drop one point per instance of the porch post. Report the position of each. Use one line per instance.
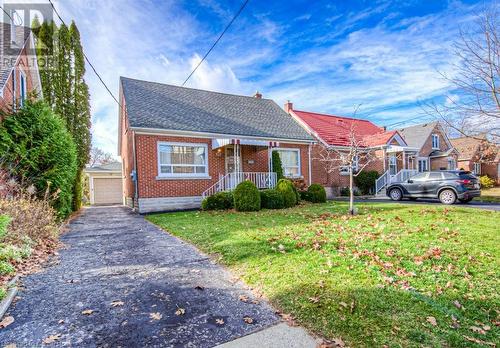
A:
(384, 159)
(269, 164)
(404, 160)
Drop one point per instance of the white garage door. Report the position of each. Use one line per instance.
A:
(108, 191)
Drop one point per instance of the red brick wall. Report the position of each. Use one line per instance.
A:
(147, 166)
(22, 65)
(126, 152)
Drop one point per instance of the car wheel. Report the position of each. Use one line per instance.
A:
(447, 197)
(465, 200)
(396, 194)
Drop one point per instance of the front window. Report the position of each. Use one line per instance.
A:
(393, 165)
(290, 161)
(344, 170)
(182, 160)
(423, 165)
(435, 141)
(452, 164)
(477, 168)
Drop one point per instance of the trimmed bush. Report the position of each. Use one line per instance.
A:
(246, 197)
(36, 148)
(486, 181)
(277, 166)
(365, 181)
(305, 196)
(316, 193)
(285, 187)
(272, 199)
(218, 201)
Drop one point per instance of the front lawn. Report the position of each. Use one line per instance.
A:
(394, 275)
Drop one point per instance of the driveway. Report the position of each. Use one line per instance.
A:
(122, 281)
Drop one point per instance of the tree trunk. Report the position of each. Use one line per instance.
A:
(351, 194)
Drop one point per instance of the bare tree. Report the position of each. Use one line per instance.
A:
(353, 158)
(474, 107)
(99, 157)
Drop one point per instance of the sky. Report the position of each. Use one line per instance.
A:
(384, 59)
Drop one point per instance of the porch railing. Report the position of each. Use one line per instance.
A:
(229, 181)
(386, 178)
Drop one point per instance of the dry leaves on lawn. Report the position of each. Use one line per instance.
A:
(155, 316)
(432, 321)
(243, 298)
(88, 312)
(51, 339)
(478, 341)
(180, 311)
(6, 321)
(219, 321)
(117, 303)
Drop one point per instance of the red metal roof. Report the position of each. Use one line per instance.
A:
(335, 130)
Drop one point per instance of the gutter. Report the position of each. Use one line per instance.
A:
(136, 176)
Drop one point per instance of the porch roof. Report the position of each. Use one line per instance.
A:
(216, 143)
(396, 148)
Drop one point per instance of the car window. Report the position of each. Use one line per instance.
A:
(419, 177)
(435, 176)
(450, 175)
(467, 176)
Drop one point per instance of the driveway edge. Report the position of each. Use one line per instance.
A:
(11, 294)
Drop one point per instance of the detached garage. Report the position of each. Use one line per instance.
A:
(105, 183)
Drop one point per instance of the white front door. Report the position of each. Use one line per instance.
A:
(233, 159)
(393, 165)
(423, 164)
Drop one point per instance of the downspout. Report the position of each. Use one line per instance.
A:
(136, 179)
(309, 155)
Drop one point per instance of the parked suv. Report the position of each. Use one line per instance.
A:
(447, 186)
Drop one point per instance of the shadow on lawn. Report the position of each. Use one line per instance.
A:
(387, 316)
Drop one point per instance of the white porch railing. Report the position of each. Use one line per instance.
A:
(229, 181)
(386, 179)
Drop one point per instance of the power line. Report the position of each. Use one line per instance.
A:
(87, 59)
(405, 121)
(216, 41)
(8, 15)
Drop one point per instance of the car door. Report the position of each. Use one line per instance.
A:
(432, 184)
(414, 185)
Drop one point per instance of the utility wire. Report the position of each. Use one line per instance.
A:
(7, 14)
(88, 60)
(216, 41)
(415, 118)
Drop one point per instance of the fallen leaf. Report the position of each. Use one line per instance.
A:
(51, 339)
(88, 312)
(314, 299)
(155, 316)
(486, 327)
(180, 311)
(6, 321)
(60, 321)
(219, 321)
(338, 342)
(476, 340)
(243, 298)
(343, 304)
(477, 330)
(117, 303)
(432, 321)
(457, 304)
(248, 320)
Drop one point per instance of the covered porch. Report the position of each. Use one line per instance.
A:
(399, 164)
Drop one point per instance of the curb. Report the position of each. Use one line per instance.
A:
(6, 302)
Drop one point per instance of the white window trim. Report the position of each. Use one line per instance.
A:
(14, 88)
(299, 175)
(344, 170)
(182, 175)
(427, 165)
(477, 165)
(451, 160)
(435, 136)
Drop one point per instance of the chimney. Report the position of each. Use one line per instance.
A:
(384, 128)
(288, 106)
(258, 95)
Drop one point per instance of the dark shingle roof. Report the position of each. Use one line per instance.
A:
(7, 52)
(161, 106)
(415, 136)
(109, 167)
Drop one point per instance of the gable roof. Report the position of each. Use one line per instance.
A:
(160, 106)
(416, 136)
(22, 35)
(335, 130)
(468, 147)
(109, 167)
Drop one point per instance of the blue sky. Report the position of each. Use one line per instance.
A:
(324, 56)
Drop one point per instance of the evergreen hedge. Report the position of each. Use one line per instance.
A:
(316, 194)
(365, 181)
(277, 166)
(218, 201)
(36, 148)
(272, 199)
(246, 197)
(286, 188)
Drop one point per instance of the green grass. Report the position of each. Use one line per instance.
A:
(373, 279)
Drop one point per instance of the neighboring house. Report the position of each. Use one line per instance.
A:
(434, 150)
(19, 77)
(105, 183)
(180, 144)
(479, 156)
(391, 153)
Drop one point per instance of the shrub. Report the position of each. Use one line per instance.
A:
(218, 201)
(305, 195)
(246, 197)
(277, 166)
(344, 191)
(365, 181)
(316, 193)
(486, 181)
(4, 221)
(285, 187)
(36, 148)
(6, 268)
(272, 199)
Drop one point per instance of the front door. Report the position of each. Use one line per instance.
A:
(233, 159)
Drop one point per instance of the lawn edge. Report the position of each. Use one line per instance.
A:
(12, 292)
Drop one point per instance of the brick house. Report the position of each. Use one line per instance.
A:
(19, 77)
(479, 156)
(180, 144)
(389, 150)
(434, 151)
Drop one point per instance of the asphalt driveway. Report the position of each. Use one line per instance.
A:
(123, 282)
